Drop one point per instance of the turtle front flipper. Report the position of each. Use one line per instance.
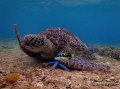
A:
(17, 34)
(78, 63)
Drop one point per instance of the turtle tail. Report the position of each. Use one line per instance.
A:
(80, 64)
(17, 34)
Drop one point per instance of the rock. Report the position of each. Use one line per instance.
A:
(112, 78)
(108, 80)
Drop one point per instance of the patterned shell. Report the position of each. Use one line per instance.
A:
(61, 37)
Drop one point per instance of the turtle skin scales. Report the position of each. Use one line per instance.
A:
(50, 42)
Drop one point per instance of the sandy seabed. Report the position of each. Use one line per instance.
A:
(34, 74)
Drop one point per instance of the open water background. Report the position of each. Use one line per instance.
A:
(93, 21)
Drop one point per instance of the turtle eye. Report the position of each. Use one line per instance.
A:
(27, 43)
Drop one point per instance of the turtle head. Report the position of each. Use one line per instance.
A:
(35, 43)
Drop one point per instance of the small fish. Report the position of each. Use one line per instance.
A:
(64, 56)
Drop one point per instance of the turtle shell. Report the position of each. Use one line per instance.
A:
(62, 37)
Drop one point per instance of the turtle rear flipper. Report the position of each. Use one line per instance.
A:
(80, 64)
(17, 34)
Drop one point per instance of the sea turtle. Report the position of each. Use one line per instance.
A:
(53, 41)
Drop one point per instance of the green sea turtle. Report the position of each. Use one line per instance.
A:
(53, 41)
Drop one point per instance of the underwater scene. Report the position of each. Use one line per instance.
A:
(59, 44)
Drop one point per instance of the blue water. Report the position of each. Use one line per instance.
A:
(93, 21)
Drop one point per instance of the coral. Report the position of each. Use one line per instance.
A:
(105, 51)
(11, 79)
(115, 54)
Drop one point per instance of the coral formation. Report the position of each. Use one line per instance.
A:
(105, 51)
(115, 54)
(108, 52)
